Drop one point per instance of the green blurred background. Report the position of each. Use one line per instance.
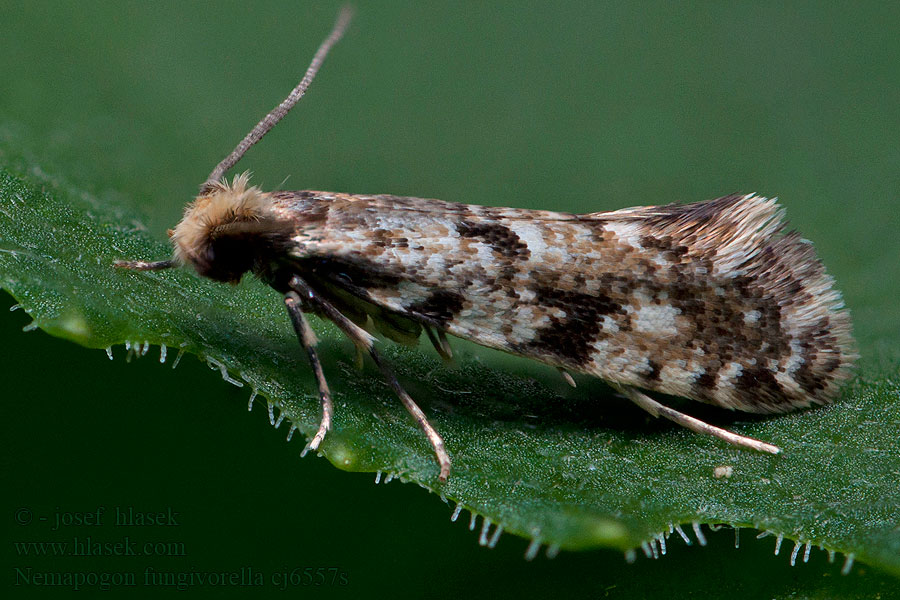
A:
(567, 106)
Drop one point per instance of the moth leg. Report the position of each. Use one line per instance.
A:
(440, 343)
(656, 409)
(308, 340)
(366, 342)
(437, 442)
(442, 337)
(139, 265)
(568, 377)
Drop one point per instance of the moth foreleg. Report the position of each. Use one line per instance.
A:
(365, 341)
(139, 265)
(656, 409)
(308, 340)
(309, 297)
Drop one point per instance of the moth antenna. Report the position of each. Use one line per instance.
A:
(271, 119)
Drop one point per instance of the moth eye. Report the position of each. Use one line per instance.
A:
(226, 260)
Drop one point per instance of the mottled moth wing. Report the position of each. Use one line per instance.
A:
(712, 301)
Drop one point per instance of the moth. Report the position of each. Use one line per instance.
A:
(713, 301)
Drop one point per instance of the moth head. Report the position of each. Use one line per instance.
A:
(227, 230)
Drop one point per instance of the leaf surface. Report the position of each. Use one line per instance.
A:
(571, 469)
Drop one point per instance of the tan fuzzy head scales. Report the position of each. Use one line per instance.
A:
(218, 218)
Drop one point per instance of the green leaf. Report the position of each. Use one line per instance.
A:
(570, 469)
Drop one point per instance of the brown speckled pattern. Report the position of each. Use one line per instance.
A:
(711, 301)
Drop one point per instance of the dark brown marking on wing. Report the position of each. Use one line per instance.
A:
(439, 308)
(705, 382)
(499, 237)
(760, 380)
(652, 376)
(571, 337)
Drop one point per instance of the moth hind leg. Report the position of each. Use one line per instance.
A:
(660, 410)
(308, 340)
